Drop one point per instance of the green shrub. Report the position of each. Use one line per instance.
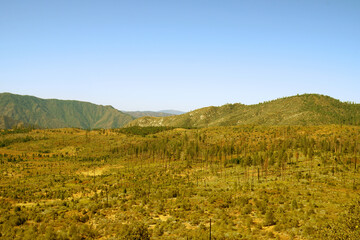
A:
(269, 218)
(135, 231)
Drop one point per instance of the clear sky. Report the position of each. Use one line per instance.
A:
(186, 54)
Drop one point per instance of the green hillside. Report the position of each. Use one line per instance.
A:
(53, 113)
(307, 109)
(7, 123)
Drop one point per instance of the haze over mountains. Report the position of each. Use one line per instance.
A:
(307, 109)
(162, 113)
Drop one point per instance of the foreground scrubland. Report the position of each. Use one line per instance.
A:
(246, 182)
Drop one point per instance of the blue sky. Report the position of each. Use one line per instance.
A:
(154, 55)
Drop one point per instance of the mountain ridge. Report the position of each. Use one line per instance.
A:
(305, 109)
(54, 113)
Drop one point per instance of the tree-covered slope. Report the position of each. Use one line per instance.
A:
(7, 123)
(307, 109)
(53, 113)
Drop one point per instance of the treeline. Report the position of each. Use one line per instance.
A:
(16, 130)
(142, 131)
(258, 147)
(9, 141)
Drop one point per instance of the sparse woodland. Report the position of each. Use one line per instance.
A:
(249, 182)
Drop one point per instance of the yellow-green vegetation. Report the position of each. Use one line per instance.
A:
(306, 109)
(251, 182)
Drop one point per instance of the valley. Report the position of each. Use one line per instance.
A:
(250, 182)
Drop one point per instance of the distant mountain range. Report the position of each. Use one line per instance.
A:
(20, 110)
(172, 112)
(307, 109)
(163, 113)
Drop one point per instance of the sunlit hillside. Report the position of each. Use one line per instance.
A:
(244, 182)
(307, 109)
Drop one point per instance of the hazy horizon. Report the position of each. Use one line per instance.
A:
(151, 56)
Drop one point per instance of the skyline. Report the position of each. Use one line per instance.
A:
(176, 110)
(182, 56)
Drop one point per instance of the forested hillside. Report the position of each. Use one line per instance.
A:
(7, 123)
(53, 113)
(307, 109)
